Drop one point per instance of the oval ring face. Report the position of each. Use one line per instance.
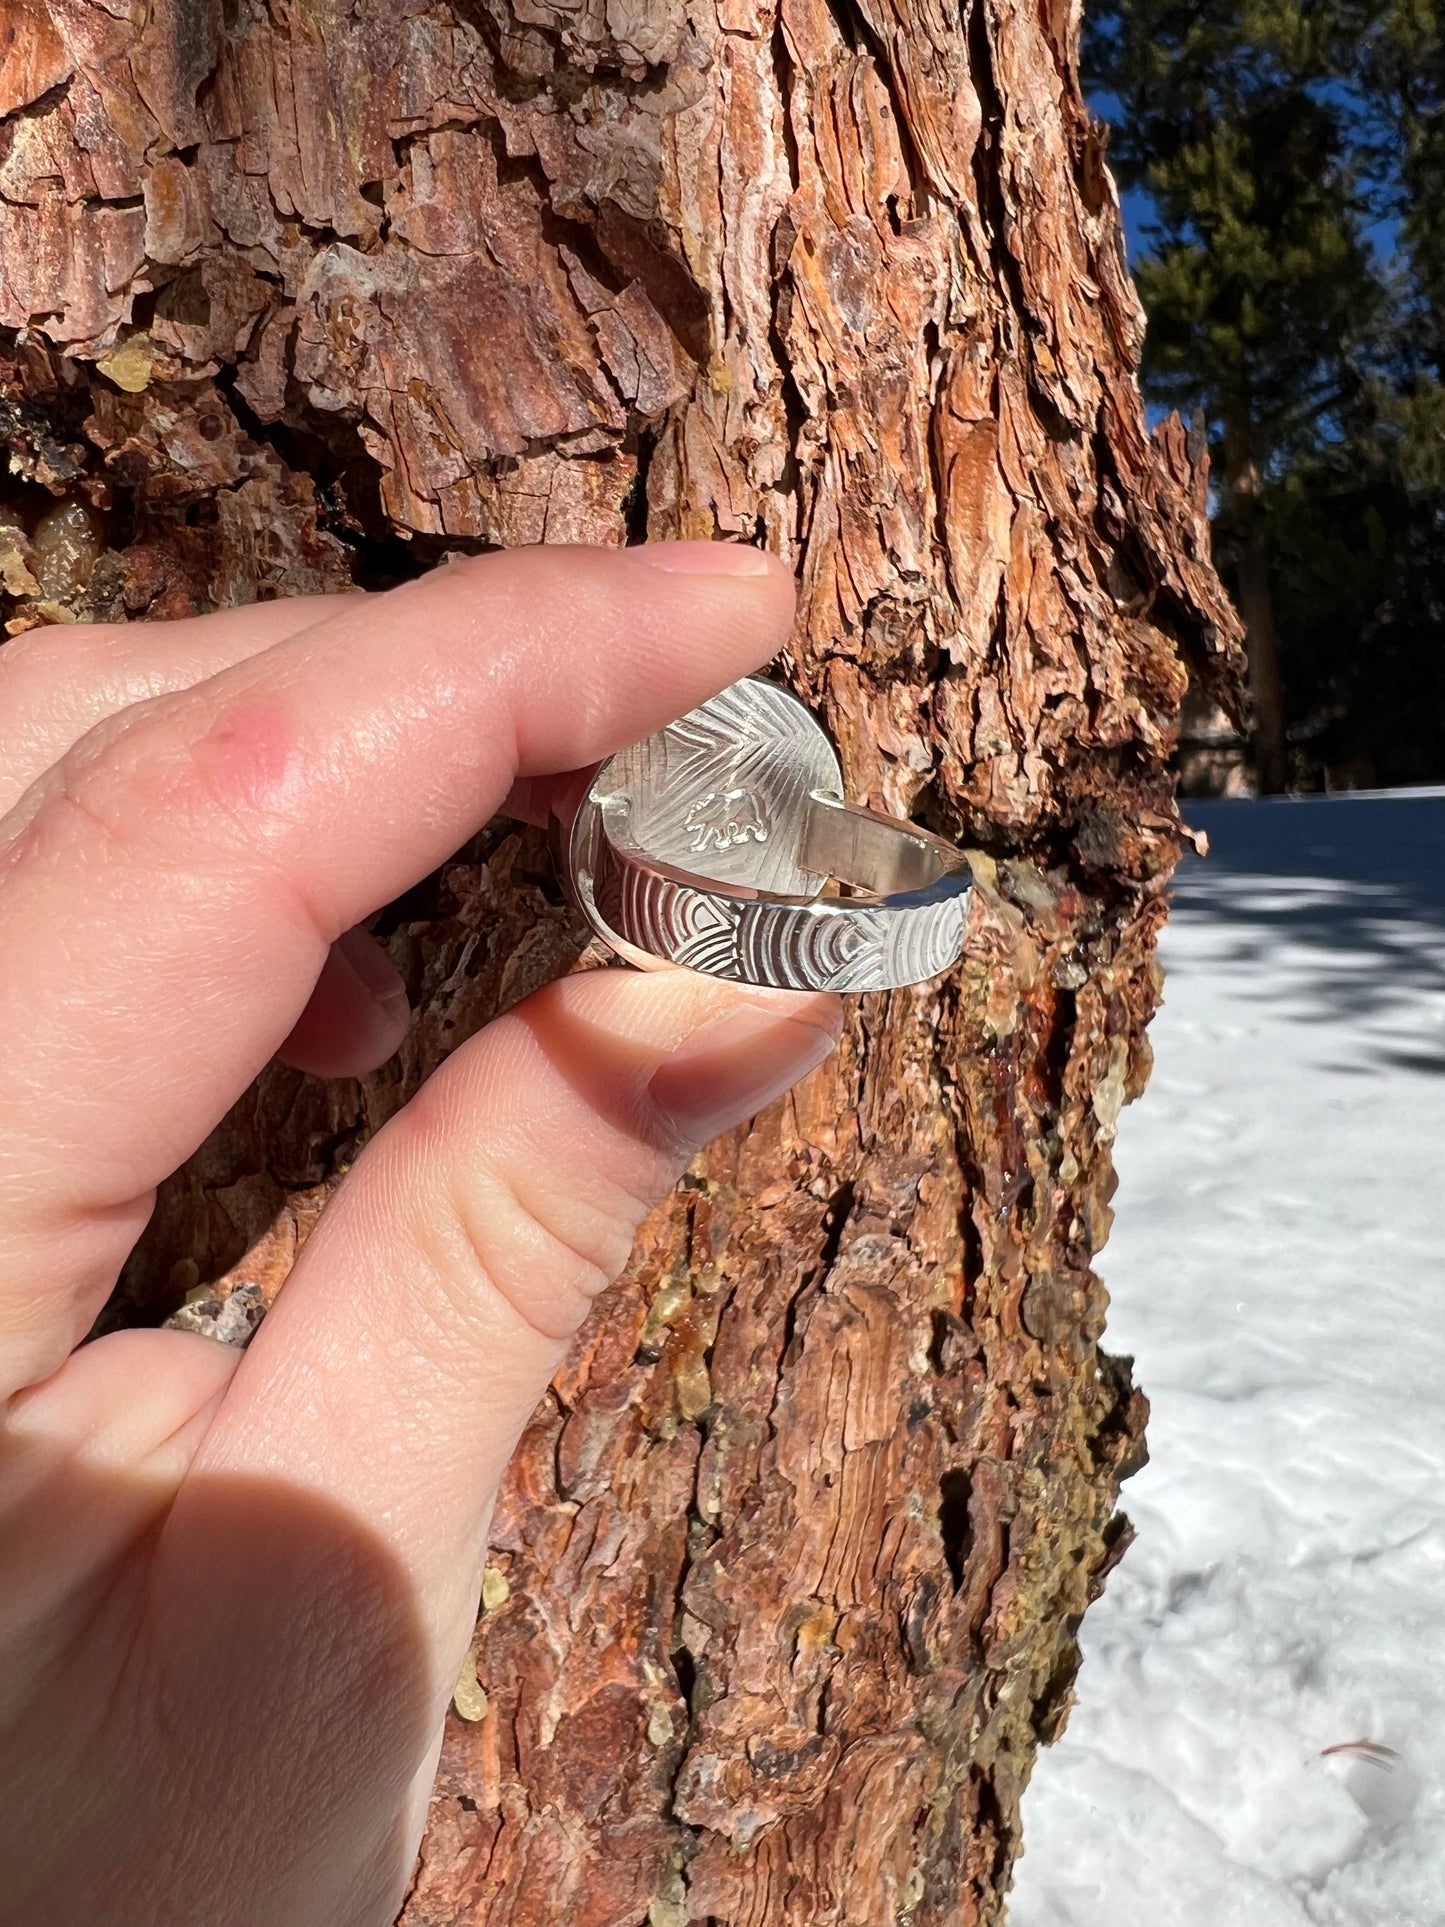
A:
(723, 793)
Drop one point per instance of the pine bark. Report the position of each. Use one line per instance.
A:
(308, 293)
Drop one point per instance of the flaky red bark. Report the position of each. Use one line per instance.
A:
(789, 1566)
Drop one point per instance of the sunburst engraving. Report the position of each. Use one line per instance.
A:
(724, 790)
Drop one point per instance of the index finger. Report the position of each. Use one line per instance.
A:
(58, 682)
(168, 892)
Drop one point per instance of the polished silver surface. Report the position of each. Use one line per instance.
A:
(723, 843)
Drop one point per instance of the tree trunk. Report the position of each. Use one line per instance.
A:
(307, 292)
(1256, 605)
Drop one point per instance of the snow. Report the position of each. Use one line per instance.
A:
(1276, 1272)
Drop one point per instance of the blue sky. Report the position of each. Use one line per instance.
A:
(1138, 204)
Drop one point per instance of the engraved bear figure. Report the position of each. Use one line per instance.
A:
(723, 819)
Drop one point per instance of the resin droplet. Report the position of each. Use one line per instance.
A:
(67, 544)
(469, 1696)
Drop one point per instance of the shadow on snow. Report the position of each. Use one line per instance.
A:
(1351, 887)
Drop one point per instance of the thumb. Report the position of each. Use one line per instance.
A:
(437, 1297)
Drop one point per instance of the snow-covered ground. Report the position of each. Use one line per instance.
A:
(1278, 1271)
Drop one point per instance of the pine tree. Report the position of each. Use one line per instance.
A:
(1406, 78)
(1293, 157)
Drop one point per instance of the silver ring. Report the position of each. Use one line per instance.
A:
(723, 843)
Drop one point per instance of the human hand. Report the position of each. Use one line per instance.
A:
(236, 1589)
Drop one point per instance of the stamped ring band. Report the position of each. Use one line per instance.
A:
(723, 843)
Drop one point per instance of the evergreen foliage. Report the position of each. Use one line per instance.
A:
(1293, 160)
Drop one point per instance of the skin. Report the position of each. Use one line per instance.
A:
(238, 1587)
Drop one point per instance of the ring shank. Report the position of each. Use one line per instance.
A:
(652, 913)
(872, 853)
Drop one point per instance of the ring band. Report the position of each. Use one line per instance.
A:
(712, 845)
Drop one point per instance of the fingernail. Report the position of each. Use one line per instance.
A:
(701, 558)
(369, 963)
(734, 1067)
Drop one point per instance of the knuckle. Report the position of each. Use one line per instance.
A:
(109, 785)
(547, 1250)
(86, 795)
(165, 786)
(46, 676)
(517, 1197)
(505, 1221)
